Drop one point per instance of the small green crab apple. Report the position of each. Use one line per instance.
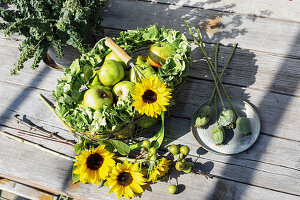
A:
(188, 167)
(172, 189)
(227, 118)
(218, 135)
(174, 149)
(184, 150)
(204, 116)
(243, 125)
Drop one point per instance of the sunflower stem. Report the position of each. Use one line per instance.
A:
(131, 159)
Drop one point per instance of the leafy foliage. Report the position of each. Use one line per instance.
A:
(50, 22)
(70, 89)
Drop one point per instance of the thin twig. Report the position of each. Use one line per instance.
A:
(37, 146)
(207, 176)
(40, 137)
(49, 134)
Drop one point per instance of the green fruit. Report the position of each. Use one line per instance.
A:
(96, 81)
(97, 97)
(188, 168)
(146, 121)
(184, 150)
(153, 158)
(227, 118)
(111, 73)
(243, 125)
(218, 135)
(113, 56)
(179, 166)
(174, 149)
(146, 144)
(146, 70)
(204, 116)
(182, 160)
(159, 52)
(152, 151)
(172, 189)
(122, 89)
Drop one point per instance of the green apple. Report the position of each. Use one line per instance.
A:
(143, 66)
(122, 89)
(113, 56)
(159, 52)
(141, 60)
(96, 81)
(147, 71)
(111, 73)
(96, 97)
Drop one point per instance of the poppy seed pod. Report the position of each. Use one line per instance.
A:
(227, 118)
(243, 125)
(218, 135)
(204, 116)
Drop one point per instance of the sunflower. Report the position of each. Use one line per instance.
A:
(95, 165)
(151, 96)
(160, 170)
(126, 179)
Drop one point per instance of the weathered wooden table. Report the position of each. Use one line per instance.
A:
(264, 71)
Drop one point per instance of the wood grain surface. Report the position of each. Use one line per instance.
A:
(264, 71)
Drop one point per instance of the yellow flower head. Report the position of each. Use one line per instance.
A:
(160, 170)
(151, 96)
(126, 180)
(95, 165)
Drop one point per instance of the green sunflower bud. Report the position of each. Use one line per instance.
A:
(227, 118)
(218, 135)
(243, 125)
(204, 116)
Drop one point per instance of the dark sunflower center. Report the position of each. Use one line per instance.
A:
(124, 178)
(94, 161)
(149, 96)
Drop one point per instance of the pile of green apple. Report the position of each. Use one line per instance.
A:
(114, 80)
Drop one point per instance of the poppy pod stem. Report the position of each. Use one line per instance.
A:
(201, 46)
(223, 70)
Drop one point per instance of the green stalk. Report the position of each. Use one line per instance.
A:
(207, 59)
(216, 67)
(225, 67)
(214, 94)
(216, 109)
(211, 68)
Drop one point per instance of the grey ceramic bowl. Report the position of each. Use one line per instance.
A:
(235, 142)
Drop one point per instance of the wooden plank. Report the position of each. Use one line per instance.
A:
(24, 190)
(250, 32)
(54, 176)
(282, 10)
